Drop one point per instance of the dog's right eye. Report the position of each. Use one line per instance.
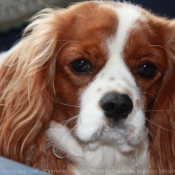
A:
(81, 66)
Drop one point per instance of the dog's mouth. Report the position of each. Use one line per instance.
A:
(120, 134)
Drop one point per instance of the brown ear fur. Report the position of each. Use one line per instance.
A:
(26, 90)
(162, 126)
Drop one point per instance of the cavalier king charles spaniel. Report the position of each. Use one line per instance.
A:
(91, 90)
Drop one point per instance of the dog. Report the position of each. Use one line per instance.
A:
(90, 90)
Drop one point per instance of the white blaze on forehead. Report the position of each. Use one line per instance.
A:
(91, 117)
(127, 17)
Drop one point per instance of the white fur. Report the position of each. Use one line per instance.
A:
(4, 55)
(117, 151)
(99, 157)
(91, 118)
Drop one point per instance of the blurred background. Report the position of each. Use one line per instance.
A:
(14, 14)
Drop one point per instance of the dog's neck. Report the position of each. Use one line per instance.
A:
(99, 157)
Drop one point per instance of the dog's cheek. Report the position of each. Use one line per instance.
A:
(66, 101)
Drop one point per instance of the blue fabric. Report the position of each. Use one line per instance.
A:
(8, 167)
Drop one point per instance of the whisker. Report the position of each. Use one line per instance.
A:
(154, 139)
(150, 133)
(159, 125)
(73, 128)
(159, 110)
(69, 120)
(65, 104)
(149, 94)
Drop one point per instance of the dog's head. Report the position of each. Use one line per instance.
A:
(103, 70)
(94, 82)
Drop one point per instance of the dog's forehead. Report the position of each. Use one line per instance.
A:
(107, 25)
(91, 21)
(96, 23)
(97, 19)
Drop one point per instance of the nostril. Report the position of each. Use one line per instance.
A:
(125, 109)
(109, 107)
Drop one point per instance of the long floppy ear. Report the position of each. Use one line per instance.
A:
(162, 126)
(26, 89)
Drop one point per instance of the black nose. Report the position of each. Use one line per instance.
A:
(116, 106)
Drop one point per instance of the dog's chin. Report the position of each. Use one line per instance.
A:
(118, 136)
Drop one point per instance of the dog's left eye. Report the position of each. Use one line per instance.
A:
(81, 66)
(147, 70)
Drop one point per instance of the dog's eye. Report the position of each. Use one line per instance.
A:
(81, 66)
(147, 70)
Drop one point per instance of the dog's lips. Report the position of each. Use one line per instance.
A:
(117, 134)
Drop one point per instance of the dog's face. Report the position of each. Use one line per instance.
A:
(111, 65)
(97, 75)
